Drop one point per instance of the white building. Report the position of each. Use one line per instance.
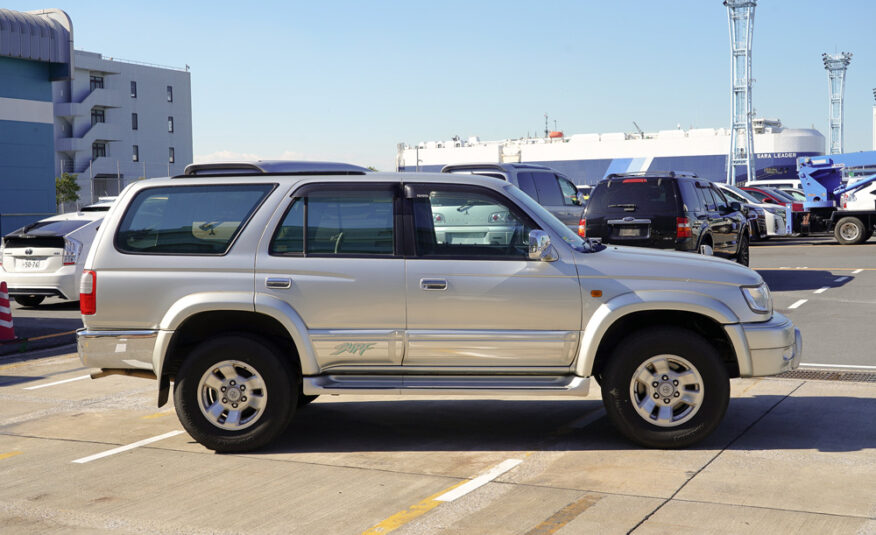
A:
(117, 121)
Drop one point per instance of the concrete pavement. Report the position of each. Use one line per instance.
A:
(792, 456)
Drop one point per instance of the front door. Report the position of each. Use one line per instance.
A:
(473, 296)
(333, 256)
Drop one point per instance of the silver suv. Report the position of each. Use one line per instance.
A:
(255, 289)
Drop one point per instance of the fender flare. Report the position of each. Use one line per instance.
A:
(648, 300)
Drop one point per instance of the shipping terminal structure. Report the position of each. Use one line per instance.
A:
(587, 158)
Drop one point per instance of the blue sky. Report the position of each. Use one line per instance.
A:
(349, 80)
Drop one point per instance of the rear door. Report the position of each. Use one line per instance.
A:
(334, 257)
(725, 223)
(559, 196)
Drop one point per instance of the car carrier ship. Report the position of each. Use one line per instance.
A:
(587, 158)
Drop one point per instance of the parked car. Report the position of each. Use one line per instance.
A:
(45, 259)
(773, 183)
(771, 195)
(254, 294)
(666, 211)
(550, 188)
(774, 217)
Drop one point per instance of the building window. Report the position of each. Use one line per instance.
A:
(170, 93)
(135, 155)
(96, 82)
(97, 116)
(170, 124)
(98, 150)
(133, 89)
(170, 157)
(134, 122)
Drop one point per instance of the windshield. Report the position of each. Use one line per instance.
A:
(779, 194)
(575, 241)
(740, 195)
(795, 194)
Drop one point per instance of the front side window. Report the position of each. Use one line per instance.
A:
(338, 221)
(188, 220)
(720, 200)
(468, 223)
(570, 192)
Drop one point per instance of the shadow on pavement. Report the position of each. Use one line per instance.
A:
(820, 423)
(789, 280)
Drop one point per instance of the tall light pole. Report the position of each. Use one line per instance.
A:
(874, 120)
(740, 14)
(836, 65)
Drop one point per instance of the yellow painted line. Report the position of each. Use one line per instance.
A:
(558, 520)
(415, 511)
(156, 415)
(8, 455)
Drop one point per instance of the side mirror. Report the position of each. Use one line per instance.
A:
(769, 201)
(735, 206)
(540, 247)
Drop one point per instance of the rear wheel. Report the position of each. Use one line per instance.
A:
(665, 388)
(235, 393)
(29, 300)
(850, 231)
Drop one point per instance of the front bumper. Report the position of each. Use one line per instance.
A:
(117, 349)
(774, 346)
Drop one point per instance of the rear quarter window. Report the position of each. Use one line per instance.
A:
(188, 220)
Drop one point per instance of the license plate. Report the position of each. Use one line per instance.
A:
(628, 232)
(29, 265)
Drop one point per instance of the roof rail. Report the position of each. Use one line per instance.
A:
(655, 174)
(272, 167)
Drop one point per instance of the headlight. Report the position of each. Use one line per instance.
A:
(758, 298)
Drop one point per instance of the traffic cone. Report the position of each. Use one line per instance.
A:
(7, 332)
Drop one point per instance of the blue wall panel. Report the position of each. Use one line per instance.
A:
(27, 178)
(25, 79)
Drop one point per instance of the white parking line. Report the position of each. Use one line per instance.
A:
(58, 382)
(857, 271)
(128, 447)
(822, 290)
(479, 481)
(797, 304)
(841, 279)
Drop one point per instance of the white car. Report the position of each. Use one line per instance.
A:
(44, 259)
(780, 183)
(776, 216)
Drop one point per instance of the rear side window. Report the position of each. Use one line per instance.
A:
(527, 184)
(548, 189)
(692, 201)
(646, 196)
(188, 220)
(338, 222)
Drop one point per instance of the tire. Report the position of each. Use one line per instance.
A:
(743, 254)
(232, 362)
(29, 300)
(850, 231)
(677, 355)
(305, 400)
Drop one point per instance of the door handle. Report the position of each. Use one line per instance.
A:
(433, 284)
(278, 283)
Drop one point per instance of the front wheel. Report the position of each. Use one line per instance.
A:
(235, 393)
(743, 255)
(665, 388)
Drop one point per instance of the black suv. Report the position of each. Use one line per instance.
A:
(666, 211)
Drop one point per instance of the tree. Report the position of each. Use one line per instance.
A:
(66, 188)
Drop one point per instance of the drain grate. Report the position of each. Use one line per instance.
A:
(816, 375)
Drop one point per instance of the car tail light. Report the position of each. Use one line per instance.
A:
(682, 228)
(71, 251)
(582, 228)
(88, 293)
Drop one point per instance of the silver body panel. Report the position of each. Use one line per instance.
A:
(409, 325)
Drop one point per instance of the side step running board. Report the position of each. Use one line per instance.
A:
(461, 385)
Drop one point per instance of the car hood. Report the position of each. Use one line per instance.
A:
(641, 263)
